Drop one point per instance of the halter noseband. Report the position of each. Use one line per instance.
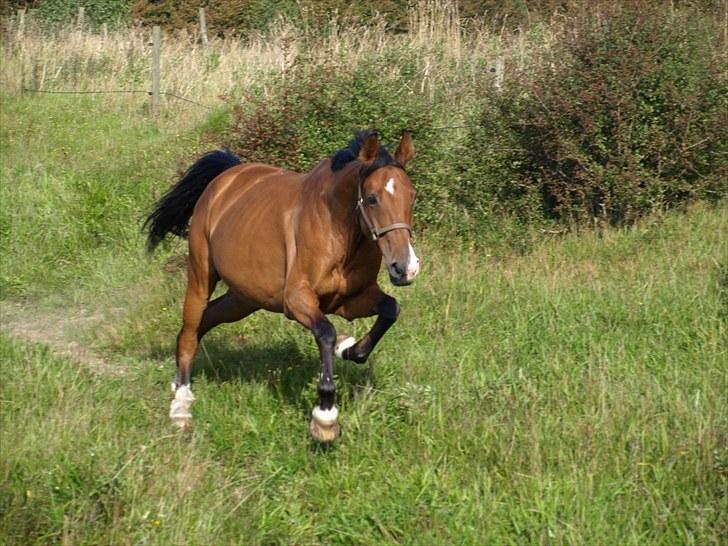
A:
(375, 231)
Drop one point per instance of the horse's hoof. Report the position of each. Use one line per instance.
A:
(343, 343)
(182, 423)
(321, 434)
(323, 427)
(179, 409)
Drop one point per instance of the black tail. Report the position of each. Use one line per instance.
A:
(172, 212)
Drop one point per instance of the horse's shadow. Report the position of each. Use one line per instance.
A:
(290, 373)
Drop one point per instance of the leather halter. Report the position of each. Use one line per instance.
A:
(376, 232)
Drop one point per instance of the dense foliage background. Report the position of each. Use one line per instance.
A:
(625, 112)
(600, 112)
(243, 16)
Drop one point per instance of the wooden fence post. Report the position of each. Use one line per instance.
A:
(81, 17)
(725, 25)
(22, 76)
(20, 32)
(498, 73)
(21, 23)
(203, 27)
(156, 55)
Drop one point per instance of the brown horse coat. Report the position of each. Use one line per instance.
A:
(303, 244)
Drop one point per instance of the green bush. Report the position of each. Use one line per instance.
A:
(626, 113)
(223, 17)
(315, 110)
(96, 12)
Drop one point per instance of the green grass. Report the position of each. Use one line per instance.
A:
(573, 395)
(78, 175)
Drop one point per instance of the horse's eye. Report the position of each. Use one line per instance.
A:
(372, 199)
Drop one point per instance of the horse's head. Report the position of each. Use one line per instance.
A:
(385, 200)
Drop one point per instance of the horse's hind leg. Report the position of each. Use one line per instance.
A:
(226, 308)
(201, 282)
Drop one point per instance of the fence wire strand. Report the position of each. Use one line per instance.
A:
(120, 91)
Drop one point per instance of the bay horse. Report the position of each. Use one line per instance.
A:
(302, 244)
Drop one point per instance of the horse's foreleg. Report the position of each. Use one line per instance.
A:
(302, 305)
(370, 302)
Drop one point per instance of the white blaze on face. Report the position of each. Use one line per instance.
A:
(390, 186)
(413, 264)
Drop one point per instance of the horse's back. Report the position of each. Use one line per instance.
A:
(238, 185)
(245, 216)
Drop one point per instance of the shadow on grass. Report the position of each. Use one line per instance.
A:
(290, 374)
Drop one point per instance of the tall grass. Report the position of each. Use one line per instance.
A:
(65, 58)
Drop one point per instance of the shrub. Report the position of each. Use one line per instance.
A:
(223, 16)
(626, 113)
(96, 12)
(315, 109)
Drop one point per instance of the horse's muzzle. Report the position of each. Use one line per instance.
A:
(400, 281)
(402, 273)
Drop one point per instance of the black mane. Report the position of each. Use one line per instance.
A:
(349, 154)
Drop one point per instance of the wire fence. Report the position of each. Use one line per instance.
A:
(155, 72)
(119, 91)
(21, 21)
(149, 93)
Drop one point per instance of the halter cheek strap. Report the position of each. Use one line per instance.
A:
(376, 232)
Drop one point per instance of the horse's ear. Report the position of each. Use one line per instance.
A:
(405, 150)
(369, 150)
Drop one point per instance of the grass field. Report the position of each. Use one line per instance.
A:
(575, 394)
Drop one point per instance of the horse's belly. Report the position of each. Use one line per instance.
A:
(256, 282)
(247, 226)
(252, 266)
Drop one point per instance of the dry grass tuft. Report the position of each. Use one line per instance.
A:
(68, 59)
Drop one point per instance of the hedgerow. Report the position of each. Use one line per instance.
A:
(625, 114)
(606, 111)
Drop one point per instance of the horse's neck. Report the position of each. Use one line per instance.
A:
(341, 197)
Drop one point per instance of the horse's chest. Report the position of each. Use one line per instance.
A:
(344, 283)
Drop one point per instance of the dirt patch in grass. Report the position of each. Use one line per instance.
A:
(63, 330)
